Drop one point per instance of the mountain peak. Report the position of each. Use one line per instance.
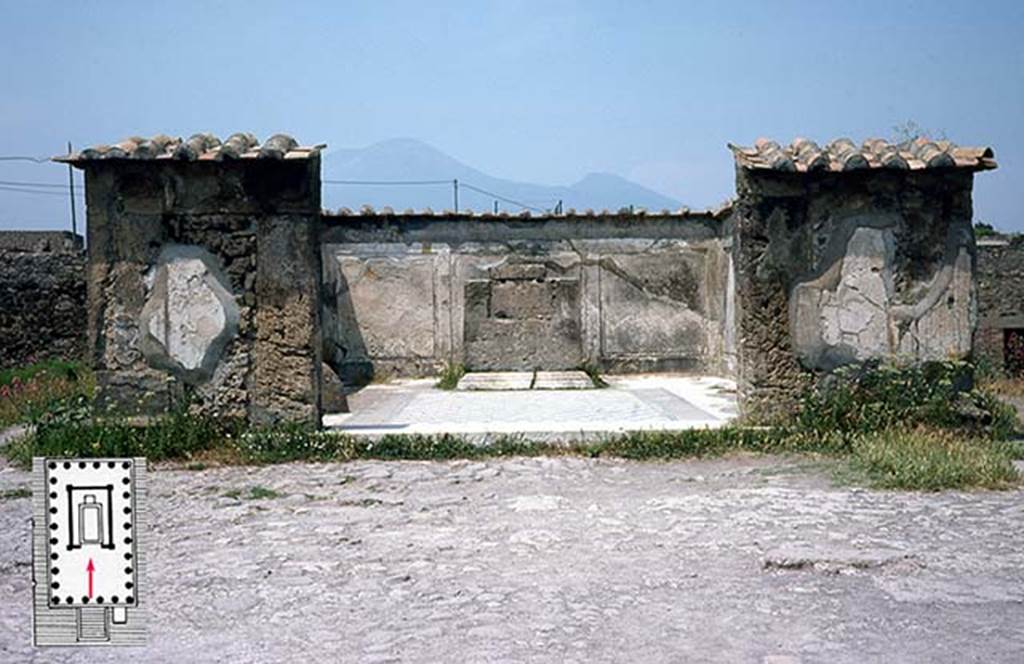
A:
(409, 160)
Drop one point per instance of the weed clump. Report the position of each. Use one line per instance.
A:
(451, 376)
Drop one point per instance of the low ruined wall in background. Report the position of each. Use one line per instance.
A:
(42, 297)
(999, 340)
(408, 294)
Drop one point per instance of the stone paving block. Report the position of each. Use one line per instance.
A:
(497, 380)
(562, 380)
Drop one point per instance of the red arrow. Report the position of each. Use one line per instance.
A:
(90, 568)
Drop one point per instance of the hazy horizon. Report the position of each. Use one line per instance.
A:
(523, 91)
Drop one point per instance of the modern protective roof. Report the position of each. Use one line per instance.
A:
(198, 147)
(803, 155)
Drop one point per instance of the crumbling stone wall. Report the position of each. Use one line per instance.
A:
(1000, 283)
(407, 294)
(42, 297)
(204, 285)
(834, 268)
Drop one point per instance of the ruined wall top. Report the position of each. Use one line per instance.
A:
(198, 147)
(804, 156)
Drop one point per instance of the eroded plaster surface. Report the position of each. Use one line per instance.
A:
(851, 312)
(634, 303)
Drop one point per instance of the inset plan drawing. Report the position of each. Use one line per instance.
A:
(86, 528)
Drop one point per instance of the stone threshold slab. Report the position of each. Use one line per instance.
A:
(525, 380)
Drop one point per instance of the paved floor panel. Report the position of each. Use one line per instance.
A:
(630, 403)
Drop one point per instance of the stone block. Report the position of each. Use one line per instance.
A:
(496, 381)
(523, 300)
(519, 271)
(562, 380)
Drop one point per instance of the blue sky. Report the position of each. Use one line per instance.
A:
(537, 91)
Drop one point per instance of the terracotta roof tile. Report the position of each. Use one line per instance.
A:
(842, 154)
(198, 147)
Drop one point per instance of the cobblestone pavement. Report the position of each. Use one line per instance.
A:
(744, 559)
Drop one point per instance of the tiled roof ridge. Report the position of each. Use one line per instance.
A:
(842, 154)
(197, 147)
(720, 211)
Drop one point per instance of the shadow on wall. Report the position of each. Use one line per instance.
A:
(345, 354)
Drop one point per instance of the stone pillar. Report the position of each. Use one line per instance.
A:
(834, 268)
(287, 350)
(204, 276)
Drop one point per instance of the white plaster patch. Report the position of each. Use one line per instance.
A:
(192, 317)
(189, 314)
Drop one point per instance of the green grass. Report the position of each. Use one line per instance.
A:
(918, 428)
(930, 460)
(451, 376)
(28, 393)
(53, 368)
(11, 494)
(256, 492)
(78, 434)
(594, 374)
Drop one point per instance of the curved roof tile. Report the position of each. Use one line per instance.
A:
(842, 154)
(198, 147)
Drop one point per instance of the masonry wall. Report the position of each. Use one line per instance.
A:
(835, 268)
(42, 297)
(1000, 282)
(203, 286)
(408, 294)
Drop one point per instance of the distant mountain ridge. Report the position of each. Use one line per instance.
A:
(406, 159)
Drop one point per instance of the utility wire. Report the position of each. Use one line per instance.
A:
(37, 160)
(501, 198)
(388, 182)
(485, 192)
